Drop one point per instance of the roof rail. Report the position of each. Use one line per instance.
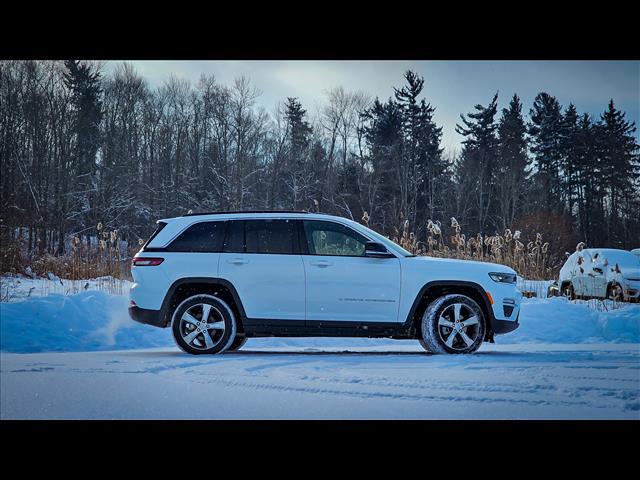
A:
(227, 212)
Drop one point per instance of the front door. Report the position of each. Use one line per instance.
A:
(342, 284)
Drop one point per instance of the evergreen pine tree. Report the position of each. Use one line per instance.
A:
(545, 131)
(299, 133)
(422, 153)
(619, 160)
(569, 162)
(83, 80)
(512, 162)
(478, 162)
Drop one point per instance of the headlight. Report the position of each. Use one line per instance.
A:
(503, 277)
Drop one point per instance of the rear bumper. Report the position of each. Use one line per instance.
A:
(148, 317)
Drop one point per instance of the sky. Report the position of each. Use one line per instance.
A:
(452, 87)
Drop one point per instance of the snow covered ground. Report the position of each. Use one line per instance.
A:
(529, 381)
(78, 355)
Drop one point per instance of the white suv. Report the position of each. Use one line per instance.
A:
(217, 279)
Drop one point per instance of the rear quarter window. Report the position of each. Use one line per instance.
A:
(203, 237)
(159, 227)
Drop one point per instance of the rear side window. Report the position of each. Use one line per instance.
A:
(234, 243)
(200, 237)
(270, 236)
(262, 236)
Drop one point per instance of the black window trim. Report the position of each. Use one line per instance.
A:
(300, 241)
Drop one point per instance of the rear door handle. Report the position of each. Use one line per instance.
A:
(238, 261)
(321, 263)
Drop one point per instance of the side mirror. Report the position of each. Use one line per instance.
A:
(376, 250)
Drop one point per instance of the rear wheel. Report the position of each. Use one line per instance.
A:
(203, 324)
(453, 324)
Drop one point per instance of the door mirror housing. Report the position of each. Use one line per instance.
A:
(376, 250)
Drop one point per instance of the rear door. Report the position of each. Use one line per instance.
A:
(261, 259)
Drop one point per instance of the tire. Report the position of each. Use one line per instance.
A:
(190, 331)
(444, 327)
(424, 345)
(614, 292)
(570, 293)
(237, 344)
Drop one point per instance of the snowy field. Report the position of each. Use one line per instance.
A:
(77, 355)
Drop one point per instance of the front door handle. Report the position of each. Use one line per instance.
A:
(321, 263)
(238, 261)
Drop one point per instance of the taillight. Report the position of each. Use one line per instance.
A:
(146, 261)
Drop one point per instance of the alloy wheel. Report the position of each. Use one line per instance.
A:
(202, 326)
(458, 326)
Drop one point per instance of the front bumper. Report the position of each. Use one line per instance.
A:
(148, 317)
(504, 326)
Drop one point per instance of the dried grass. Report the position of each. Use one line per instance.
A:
(531, 258)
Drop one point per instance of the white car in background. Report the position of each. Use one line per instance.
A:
(601, 273)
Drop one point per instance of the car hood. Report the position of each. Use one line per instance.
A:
(470, 266)
(630, 273)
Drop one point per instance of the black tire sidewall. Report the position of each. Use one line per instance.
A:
(229, 324)
(237, 344)
(430, 334)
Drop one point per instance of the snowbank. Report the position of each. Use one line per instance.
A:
(95, 320)
(557, 320)
(86, 321)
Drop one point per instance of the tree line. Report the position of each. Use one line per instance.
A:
(79, 147)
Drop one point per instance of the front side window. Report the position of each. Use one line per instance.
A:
(328, 238)
(200, 237)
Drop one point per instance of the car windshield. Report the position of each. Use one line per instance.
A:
(621, 257)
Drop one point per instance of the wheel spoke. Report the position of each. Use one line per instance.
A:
(445, 323)
(471, 321)
(456, 311)
(207, 338)
(205, 312)
(187, 317)
(216, 325)
(189, 338)
(466, 338)
(451, 338)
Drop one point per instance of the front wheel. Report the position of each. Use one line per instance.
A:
(614, 292)
(203, 324)
(453, 324)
